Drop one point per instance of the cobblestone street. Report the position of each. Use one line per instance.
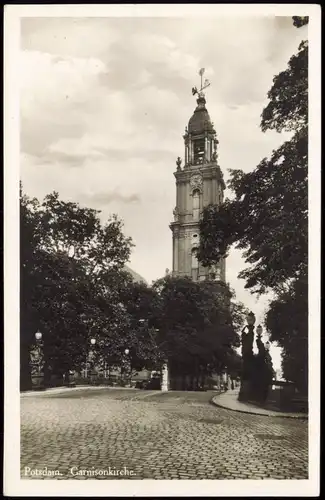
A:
(174, 435)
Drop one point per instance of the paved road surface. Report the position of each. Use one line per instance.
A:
(155, 435)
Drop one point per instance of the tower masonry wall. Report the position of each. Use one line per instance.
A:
(198, 184)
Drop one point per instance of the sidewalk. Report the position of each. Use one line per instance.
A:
(58, 390)
(229, 401)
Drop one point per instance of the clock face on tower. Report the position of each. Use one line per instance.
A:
(196, 181)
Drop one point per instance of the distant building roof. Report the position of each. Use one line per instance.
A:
(136, 277)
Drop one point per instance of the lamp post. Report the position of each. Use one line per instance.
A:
(38, 337)
(37, 362)
(259, 331)
(225, 379)
(92, 343)
(251, 319)
(128, 364)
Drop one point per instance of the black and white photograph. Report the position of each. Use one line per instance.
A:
(162, 262)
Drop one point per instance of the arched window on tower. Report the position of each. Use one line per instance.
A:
(199, 145)
(196, 204)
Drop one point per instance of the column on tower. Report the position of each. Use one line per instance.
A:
(176, 250)
(190, 153)
(194, 263)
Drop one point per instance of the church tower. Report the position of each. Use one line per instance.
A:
(199, 183)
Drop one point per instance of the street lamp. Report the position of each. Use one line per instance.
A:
(267, 345)
(225, 378)
(259, 330)
(164, 371)
(128, 363)
(37, 362)
(247, 356)
(251, 319)
(38, 336)
(92, 342)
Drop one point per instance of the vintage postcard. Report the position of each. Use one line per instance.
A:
(162, 250)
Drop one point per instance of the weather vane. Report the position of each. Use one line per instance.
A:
(203, 85)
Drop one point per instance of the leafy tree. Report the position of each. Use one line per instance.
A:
(287, 321)
(195, 330)
(29, 241)
(268, 216)
(71, 276)
(59, 299)
(79, 233)
(133, 328)
(239, 314)
(234, 366)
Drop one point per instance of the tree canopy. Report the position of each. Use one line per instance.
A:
(74, 288)
(196, 333)
(71, 277)
(287, 322)
(268, 217)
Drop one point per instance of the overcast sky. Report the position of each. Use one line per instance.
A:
(105, 102)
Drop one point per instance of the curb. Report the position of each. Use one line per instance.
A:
(273, 414)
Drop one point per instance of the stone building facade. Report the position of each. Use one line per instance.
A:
(199, 183)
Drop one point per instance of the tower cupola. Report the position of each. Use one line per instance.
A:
(200, 137)
(200, 120)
